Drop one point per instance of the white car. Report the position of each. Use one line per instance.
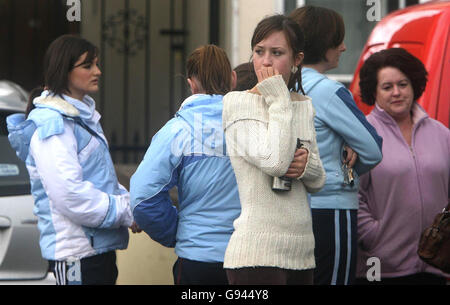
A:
(20, 256)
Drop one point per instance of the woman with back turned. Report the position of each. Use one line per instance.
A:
(189, 153)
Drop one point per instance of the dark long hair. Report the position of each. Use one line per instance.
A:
(294, 37)
(59, 60)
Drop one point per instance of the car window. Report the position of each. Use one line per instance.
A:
(14, 179)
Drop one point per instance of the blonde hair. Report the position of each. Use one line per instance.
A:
(209, 64)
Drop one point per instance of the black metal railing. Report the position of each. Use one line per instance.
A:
(127, 31)
(132, 153)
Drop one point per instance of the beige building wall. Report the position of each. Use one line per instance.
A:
(250, 13)
(240, 20)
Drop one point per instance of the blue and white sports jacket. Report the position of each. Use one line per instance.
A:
(188, 152)
(339, 122)
(82, 210)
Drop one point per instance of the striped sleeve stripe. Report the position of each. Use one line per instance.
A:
(346, 97)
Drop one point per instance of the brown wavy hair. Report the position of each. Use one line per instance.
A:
(398, 58)
(246, 76)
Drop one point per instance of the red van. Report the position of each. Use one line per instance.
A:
(423, 30)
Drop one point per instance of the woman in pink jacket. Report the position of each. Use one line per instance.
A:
(400, 197)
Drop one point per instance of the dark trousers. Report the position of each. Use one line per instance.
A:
(269, 276)
(414, 279)
(335, 234)
(94, 270)
(189, 272)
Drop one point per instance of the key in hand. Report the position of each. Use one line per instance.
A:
(348, 175)
(347, 171)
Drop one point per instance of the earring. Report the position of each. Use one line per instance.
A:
(294, 69)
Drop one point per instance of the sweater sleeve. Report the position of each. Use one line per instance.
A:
(268, 146)
(62, 178)
(313, 176)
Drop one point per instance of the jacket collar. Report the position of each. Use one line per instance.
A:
(56, 103)
(199, 99)
(69, 106)
(418, 114)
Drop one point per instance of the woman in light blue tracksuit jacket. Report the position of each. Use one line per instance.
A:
(83, 212)
(340, 126)
(189, 152)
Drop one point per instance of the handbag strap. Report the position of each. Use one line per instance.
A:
(78, 121)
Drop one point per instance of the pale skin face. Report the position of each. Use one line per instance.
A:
(333, 55)
(273, 55)
(394, 93)
(83, 78)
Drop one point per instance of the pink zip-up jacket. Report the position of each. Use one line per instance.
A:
(400, 197)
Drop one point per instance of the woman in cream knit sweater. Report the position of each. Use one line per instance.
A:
(273, 241)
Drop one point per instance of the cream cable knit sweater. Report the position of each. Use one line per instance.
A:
(274, 229)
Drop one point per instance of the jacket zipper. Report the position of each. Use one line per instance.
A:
(421, 265)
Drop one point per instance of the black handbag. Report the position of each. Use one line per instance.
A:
(434, 243)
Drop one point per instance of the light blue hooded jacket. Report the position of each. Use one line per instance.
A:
(82, 210)
(188, 152)
(339, 122)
